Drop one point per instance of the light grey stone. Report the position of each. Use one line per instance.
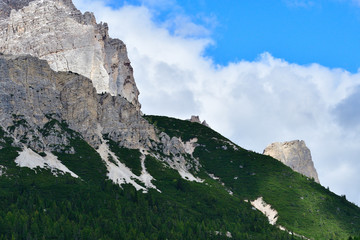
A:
(31, 92)
(196, 119)
(54, 30)
(294, 154)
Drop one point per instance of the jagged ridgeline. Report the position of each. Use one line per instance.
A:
(78, 160)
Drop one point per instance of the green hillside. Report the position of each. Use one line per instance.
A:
(42, 206)
(304, 206)
(39, 205)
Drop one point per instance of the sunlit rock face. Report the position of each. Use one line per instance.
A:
(294, 154)
(55, 31)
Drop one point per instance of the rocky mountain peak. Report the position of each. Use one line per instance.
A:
(55, 31)
(294, 154)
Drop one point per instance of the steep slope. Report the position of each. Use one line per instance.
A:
(303, 206)
(54, 30)
(294, 154)
(37, 204)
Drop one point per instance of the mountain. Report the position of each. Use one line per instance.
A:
(78, 159)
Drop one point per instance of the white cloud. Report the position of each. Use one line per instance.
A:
(184, 27)
(253, 103)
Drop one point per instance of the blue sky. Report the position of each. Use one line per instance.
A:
(257, 71)
(303, 32)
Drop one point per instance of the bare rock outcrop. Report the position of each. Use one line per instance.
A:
(294, 154)
(54, 30)
(197, 120)
(32, 96)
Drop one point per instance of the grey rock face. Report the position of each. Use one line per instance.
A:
(176, 150)
(32, 94)
(7, 5)
(197, 120)
(54, 30)
(205, 124)
(294, 154)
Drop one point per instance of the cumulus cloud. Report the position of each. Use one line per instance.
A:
(254, 103)
(183, 26)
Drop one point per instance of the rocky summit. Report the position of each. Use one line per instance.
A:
(294, 154)
(54, 30)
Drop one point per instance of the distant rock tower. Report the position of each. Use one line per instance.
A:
(294, 154)
(197, 120)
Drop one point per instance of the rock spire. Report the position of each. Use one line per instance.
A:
(294, 154)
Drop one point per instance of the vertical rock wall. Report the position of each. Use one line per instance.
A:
(31, 91)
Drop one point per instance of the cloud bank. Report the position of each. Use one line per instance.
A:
(254, 103)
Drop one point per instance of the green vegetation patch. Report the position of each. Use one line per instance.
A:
(184, 129)
(42, 206)
(130, 157)
(85, 162)
(210, 204)
(54, 126)
(8, 153)
(18, 121)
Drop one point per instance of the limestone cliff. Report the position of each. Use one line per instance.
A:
(32, 96)
(294, 154)
(54, 30)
